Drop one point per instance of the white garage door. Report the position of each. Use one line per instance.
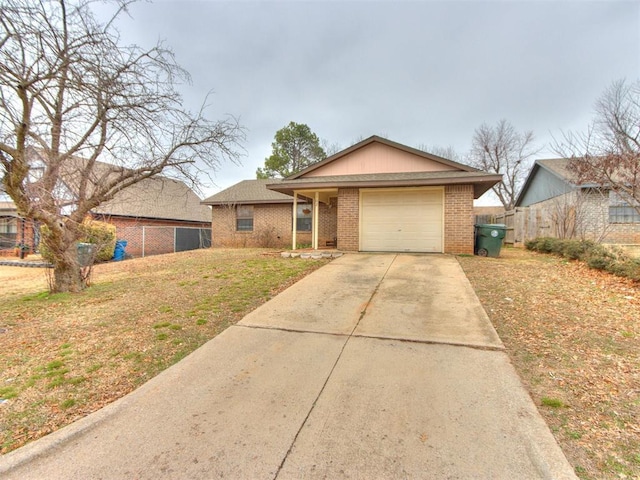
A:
(408, 220)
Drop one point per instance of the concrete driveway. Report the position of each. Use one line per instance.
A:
(374, 366)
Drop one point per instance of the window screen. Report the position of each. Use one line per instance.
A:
(620, 211)
(244, 218)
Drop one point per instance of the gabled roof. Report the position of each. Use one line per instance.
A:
(451, 173)
(556, 167)
(559, 167)
(389, 143)
(248, 192)
(157, 197)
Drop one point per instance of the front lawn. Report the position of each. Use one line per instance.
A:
(64, 356)
(573, 335)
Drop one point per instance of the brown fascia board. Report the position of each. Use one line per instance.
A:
(247, 202)
(139, 217)
(389, 143)
(480, 184)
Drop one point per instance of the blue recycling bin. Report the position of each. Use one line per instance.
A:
(119, 251)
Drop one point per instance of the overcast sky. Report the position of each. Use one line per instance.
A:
(418, 73)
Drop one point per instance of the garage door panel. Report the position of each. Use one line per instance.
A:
(402, 221)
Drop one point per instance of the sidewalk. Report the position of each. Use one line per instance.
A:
(374, 366)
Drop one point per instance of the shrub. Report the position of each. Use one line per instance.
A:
(575, 249)
(544, 245)
(629, 268)
(599, 262)
(597, 256)
(101, 234)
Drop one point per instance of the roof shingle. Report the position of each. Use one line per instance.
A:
(249, 191)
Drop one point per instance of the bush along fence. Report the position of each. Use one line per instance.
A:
(597, 256)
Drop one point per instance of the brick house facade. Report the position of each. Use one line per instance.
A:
(148, 236)
(377, 195)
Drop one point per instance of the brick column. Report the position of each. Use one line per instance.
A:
(458, 219)
(348, 219)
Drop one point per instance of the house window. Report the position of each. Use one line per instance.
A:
(8, 225)
(303, 217)
(244, 218)
(620, 211)
(8, 232)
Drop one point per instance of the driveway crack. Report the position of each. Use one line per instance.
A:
(335, 364)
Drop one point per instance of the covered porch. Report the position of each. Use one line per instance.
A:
(324, 214)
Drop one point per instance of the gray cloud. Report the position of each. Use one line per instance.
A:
(419, 72)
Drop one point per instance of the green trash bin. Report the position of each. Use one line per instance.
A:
(489, 238)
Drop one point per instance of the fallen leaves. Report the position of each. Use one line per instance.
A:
(573, 334)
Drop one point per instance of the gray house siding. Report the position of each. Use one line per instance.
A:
(543, 186)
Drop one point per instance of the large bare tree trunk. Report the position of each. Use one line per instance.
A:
(62, 245)
(67, 273)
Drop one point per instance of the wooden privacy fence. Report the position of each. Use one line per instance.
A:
(523, 224)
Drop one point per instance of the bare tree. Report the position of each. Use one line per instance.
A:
(83, 117)
(448, 152)
(608, 154)
(502, 149)
(330, 148)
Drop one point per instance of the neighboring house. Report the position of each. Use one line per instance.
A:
(377, 195)
(551, 203)
(14, 230)
(157, 215)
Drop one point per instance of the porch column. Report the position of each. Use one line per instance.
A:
(316, 214)
(295, 220)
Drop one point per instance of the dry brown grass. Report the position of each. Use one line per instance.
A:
(64, 356)
(573, 334)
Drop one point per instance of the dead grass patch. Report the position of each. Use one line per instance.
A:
(64, 356)
(573, 334)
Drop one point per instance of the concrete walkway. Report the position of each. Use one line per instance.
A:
(373, 367)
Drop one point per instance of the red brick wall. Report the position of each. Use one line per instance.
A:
(348, 221)
(328, 224)
(458, 219)
(272, 227)
(273, 223)
(156, 240)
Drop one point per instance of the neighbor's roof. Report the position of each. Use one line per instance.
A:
(558, 167)
(247, 192)
(8, 209)
(157, 197)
